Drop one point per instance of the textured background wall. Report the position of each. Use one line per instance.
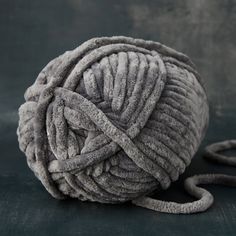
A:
(33, 32)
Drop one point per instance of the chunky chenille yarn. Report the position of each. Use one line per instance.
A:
(113, 120)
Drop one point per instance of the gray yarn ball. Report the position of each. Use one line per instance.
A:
(113, 120)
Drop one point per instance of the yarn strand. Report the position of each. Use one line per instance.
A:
(205, 198)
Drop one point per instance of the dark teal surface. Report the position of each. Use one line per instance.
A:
(34, 32)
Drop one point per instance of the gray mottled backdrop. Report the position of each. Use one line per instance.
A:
(34, 32)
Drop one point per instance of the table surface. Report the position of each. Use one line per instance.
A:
(34, 32)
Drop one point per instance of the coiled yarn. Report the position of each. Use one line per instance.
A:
(113, 120)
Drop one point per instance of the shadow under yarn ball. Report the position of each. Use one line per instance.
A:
(113, 120)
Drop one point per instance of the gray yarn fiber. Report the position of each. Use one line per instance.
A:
(115, 119)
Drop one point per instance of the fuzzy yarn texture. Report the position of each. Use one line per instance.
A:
(114, 120)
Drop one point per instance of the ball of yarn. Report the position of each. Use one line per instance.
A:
(113, 120)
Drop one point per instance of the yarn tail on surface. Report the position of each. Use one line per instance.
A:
(205, 198)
